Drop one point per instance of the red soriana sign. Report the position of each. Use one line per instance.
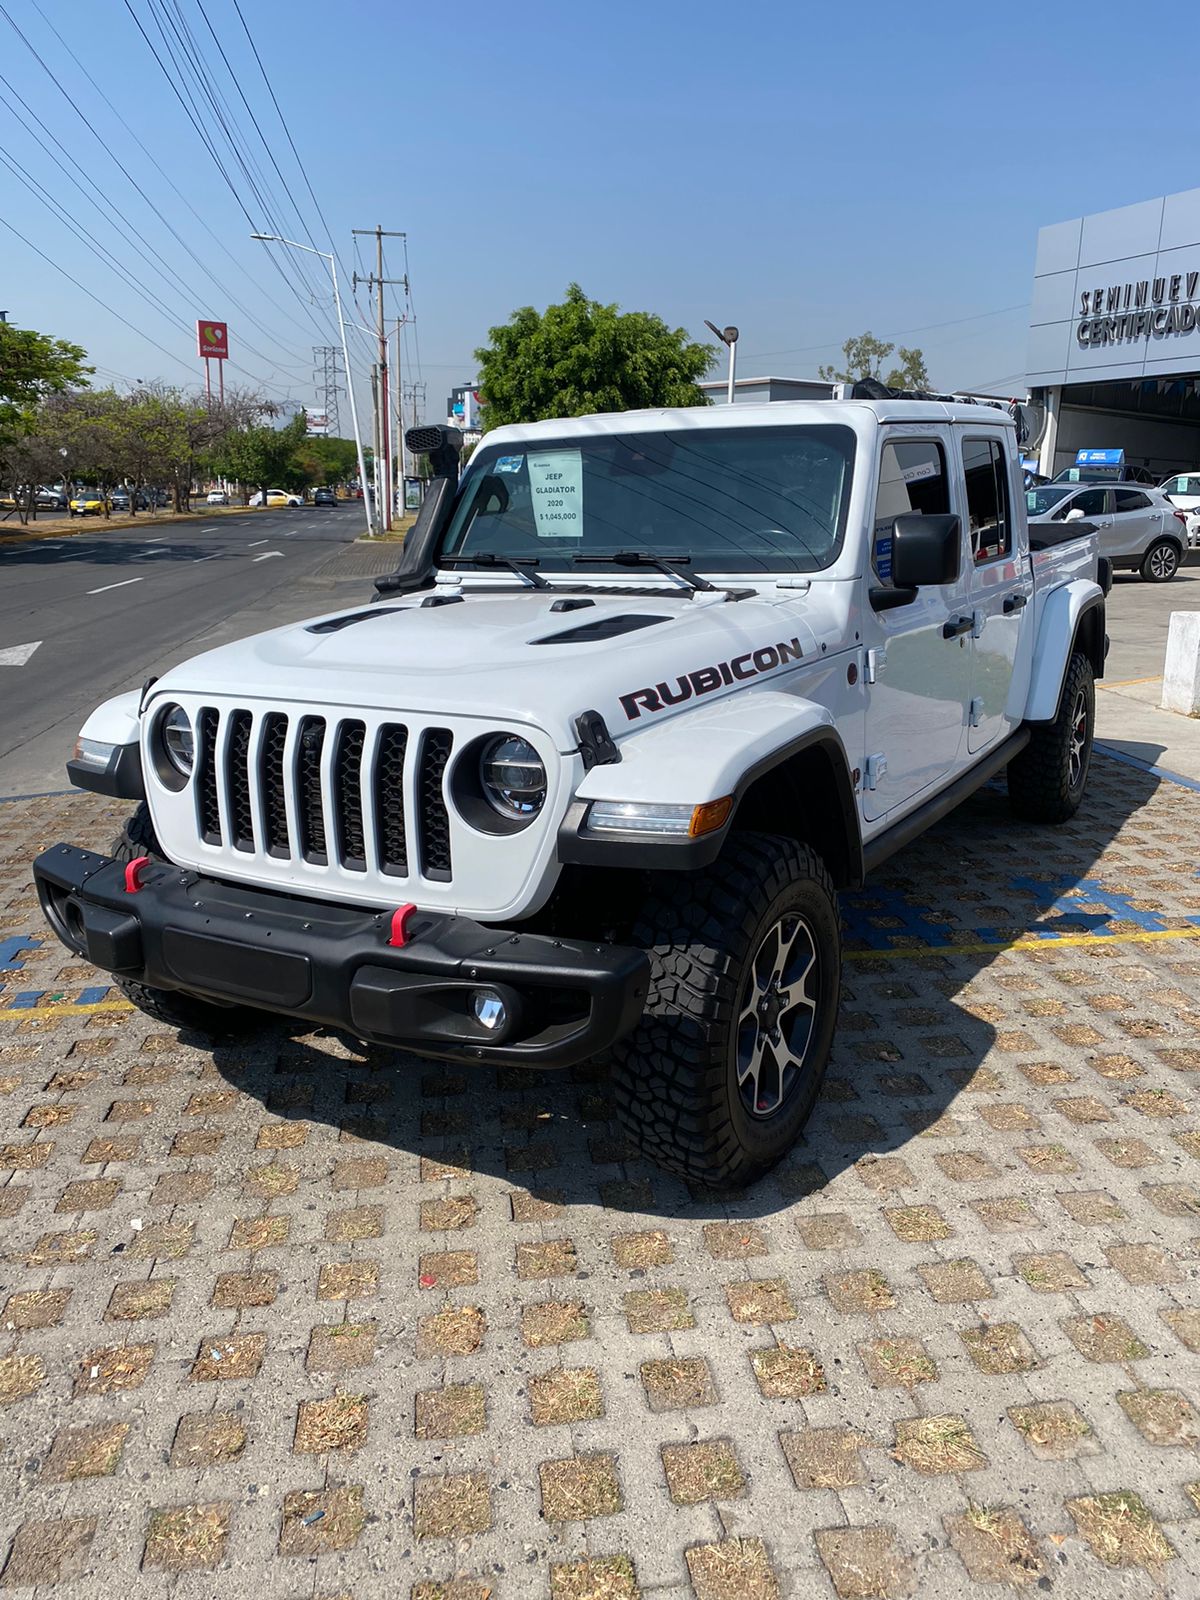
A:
(212, 339)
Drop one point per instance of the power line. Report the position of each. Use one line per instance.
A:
(174, 187)
(208, 144)
(928, 327)
(164, 271)
(4, 222)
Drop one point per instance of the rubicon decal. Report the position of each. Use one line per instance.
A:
(705, 679)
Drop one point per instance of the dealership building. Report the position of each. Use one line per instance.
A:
(1114, 335)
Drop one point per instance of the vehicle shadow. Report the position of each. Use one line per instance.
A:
(101, 552)
(913, 1034)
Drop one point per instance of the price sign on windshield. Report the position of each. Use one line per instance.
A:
(556, 484)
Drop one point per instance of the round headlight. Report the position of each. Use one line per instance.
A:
(178, 742)
(512, 776)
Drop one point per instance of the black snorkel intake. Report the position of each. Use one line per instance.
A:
(443, 446)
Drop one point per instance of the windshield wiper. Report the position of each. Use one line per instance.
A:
(488, 558)
(638, 558)
(669, 566)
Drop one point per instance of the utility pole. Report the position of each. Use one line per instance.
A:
(376, 281)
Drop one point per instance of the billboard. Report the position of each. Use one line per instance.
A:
(212, 339)
(316, 422)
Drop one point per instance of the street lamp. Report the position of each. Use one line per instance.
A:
(275, 238)
(729, 338)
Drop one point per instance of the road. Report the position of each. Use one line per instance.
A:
(105, 609)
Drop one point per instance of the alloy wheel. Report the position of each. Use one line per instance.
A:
(1079, 739)
(777, 1015)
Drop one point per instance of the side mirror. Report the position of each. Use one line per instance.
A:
(925, 550)
(1074, 515)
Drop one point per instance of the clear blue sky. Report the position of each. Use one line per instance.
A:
(804, 171)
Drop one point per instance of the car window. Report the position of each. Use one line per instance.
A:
(1132, 500)
(986, 472)
(1045, 497)
(912, 477)
(1092, 502)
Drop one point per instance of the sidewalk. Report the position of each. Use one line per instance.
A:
(1130, 723)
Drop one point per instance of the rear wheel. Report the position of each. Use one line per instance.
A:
(1046, 782)
(723, 1070)
(177, 1010)
(1160, 563)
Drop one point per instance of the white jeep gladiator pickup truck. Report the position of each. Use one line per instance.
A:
(586, 776)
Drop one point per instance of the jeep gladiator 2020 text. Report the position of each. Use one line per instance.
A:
(645, 691)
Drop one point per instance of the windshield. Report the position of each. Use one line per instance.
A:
(1040, 500)
(733, 499)
(1185, 483)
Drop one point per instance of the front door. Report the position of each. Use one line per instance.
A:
(1136, 523)
(1001, 588)
(918, 671)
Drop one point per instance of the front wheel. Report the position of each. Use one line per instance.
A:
(721, 1074)
(1047, 780)
(1160, 563)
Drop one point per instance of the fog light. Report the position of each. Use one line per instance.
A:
(490, 1011)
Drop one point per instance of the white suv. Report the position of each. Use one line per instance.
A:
(1139, 529)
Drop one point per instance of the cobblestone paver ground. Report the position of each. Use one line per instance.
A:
(292, 1317)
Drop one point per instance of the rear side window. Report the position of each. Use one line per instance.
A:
(986, 473)
(1131, 500)
(912, 478)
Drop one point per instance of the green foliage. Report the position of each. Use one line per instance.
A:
(581, 357)
(864, 356)
(262, 456)
(322, 459)
(32, 366)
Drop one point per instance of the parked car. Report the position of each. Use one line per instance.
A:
(216, 497)
(277, 497)
(324, 497)
(1182, 490)
(125, 499)
(52, 499)
(647, 690)
(1193, 529)
(1139, 529)
(86, 503)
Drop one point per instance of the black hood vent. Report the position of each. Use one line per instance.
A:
(336, 624)
(602, 628)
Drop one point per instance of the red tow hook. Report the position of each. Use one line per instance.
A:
(398, 937)
(133, 873)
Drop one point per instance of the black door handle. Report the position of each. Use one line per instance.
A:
(953, 626)
(1015, 602)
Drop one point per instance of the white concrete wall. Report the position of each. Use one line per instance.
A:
(1153, 239)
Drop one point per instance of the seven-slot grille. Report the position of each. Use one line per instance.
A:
(324, 790)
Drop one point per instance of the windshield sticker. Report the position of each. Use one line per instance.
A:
(556, 483)
(509, 464)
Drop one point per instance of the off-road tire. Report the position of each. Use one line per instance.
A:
(177, 1010)
(675, 1077)
(1044, 783)
(1161, 562)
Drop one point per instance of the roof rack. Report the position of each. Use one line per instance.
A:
(872, 389)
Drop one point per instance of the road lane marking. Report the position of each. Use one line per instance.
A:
(254, 543)
(122, 585)
(267, 554)
(16, 655)
(199, 559)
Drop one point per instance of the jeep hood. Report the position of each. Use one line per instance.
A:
(513, 658)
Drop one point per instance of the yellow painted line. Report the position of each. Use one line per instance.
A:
(1124, 683)
(1065, 941)
(17, 1013)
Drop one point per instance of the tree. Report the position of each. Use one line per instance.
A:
(864, 356)
(582, 356)
(324, 459)
(32, 366)
(260, 456)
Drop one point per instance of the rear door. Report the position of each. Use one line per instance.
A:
(918, 676)
(1001, 588)
(1136, 523)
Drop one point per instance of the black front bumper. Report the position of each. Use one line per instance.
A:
(565, 1000)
